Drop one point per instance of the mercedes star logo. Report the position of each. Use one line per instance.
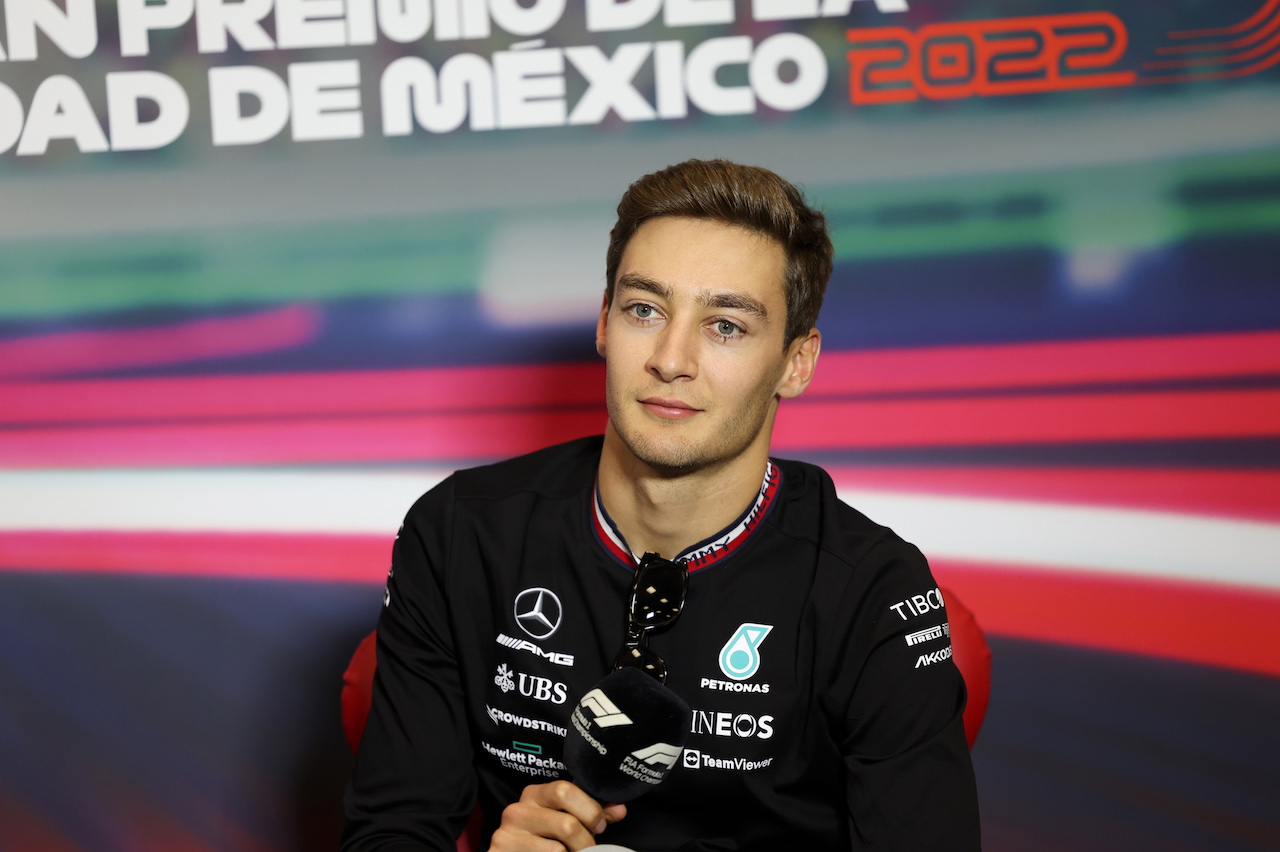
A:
(538, 612)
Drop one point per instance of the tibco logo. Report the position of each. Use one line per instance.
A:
(918, 604)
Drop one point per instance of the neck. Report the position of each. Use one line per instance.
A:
(667, 512)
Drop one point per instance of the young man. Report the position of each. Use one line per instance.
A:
(813, 725)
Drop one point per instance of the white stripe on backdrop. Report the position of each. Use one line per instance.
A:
(1024, 533)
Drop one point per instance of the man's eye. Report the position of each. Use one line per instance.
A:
(726, 328)
(642, 311)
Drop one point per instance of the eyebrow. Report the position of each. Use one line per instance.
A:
(734, 301)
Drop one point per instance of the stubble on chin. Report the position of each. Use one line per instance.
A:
(668, 451)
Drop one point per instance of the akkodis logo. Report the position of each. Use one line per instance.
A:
(740, 656)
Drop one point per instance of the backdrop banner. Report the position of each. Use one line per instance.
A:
(270, 269)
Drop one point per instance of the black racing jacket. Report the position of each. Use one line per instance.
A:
(812, 649)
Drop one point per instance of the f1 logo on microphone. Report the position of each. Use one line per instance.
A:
(658, 754)
(607, 714)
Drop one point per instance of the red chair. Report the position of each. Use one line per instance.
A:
(969, 649)
(972, 656)
(357, 697)
(357, 689)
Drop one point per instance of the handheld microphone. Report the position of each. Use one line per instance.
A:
(626, 735)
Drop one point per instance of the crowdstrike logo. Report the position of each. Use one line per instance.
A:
(740, 656)
(538, 612)
(499, 716)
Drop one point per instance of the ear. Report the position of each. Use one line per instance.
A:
(802, 360)
(602, 325)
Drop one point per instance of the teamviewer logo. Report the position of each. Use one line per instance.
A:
(692, 758)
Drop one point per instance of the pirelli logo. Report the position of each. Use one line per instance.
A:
(935, 632)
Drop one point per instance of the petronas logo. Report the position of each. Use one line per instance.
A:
(740, 656)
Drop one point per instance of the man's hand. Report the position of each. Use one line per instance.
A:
(553, 817)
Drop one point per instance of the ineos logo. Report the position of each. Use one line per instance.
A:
(538, 612)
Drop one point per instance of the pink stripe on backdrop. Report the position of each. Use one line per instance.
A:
(1226, 626)
(801, 426)
(279, 556)
(79, 351)
(1200, 622)
(294, 394)
(1032, 419)
(1252, 494)
(1076, 362)
(553, 385)
(447, 437)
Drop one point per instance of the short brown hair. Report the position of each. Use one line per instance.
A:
(749, 197)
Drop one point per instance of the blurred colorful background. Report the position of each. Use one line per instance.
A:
(1051, 359)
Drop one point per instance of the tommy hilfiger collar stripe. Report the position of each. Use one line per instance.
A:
(706, 552)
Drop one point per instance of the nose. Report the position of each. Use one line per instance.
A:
(674, 355)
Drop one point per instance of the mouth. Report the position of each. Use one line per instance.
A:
(668, 409)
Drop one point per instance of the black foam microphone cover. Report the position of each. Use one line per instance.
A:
(625, 736)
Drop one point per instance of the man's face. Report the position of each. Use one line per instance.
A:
(693, 343)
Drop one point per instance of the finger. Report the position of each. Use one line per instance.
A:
(613, 813)
(570, 798)
(515, 840)
(524, 822)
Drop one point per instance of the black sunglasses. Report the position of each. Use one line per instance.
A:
(657, 596)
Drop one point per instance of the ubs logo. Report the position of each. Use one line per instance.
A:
(538, 612)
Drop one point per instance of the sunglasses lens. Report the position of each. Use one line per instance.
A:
(642, 658)
(658, 593)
